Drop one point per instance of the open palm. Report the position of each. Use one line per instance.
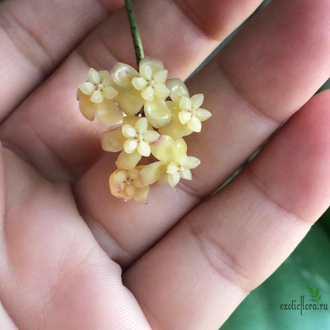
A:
(74, 257)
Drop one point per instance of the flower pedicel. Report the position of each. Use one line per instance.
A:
(144, 114)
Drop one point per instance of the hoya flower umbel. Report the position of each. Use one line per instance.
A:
(99, 86)
(139, 137)
(152, 78)
(191, 112)
(127, 185)
(181, 168)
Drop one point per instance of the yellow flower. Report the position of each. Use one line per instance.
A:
(181, 168)
(173, 163)
(191, 112)
(152, 78)
(126, 184)
(99, 86)
(96, 98)
(139, 137)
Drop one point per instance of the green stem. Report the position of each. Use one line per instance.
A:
(135, 31)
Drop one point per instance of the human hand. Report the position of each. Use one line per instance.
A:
(67, 244)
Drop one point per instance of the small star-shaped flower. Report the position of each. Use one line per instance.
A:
(99, 86)
(191, 112)
(126, 184)
(181, 168)
(139, 137)
(151, 81)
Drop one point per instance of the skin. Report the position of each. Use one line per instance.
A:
(74, 257)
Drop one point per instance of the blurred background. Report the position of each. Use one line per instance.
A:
(308, 265)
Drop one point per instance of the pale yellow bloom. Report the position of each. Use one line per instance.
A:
(173, 163)
(139, 137)
(99, 86)
(113, 139)
(191, 112)
(151, 79)
(181, 168)
(96, 98)
(126, 184)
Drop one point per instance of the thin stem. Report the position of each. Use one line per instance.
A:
(135, 31)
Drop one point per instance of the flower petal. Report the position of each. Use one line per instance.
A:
(144, 149)
(109, 93)
(182, 159)
(177, 89)
(123, 74)
(164, 148)
(157, 113)
(154, 63)
(141, 195)
(161, 91)
(146, 72)
(139, 83)
(97, 97)
(186, 174)
(109, 114)
(203, 114)
(87, 88)
(197, 100)
(141, 125)
(128, 161)
(129, 131)
(130, 146)
(151, 136)
(130, 101)
(105, 78)
(130, 190)
(121, 175)
(192, 162)
(93, 76)
(173, 179)
(172, 168)
(133, 174)
(148, 93)
(175, 128)
(195, 124)
(160, 76)
(152, 173)
(116, 185)
(87, 107)
(113, 140)
(184, 117)
(185, 103)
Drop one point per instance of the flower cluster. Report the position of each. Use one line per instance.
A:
(144, 114)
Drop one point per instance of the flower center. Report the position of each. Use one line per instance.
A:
(128, 181)
(151, 83)
(99, 87)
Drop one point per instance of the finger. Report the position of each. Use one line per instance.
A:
(236, 128)
(36, 35)
(53, 274)
(231, 243)
(65, 144)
